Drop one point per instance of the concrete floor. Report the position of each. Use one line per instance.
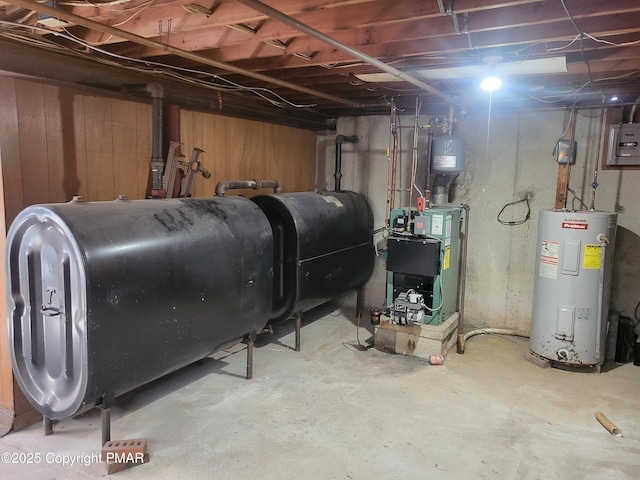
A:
(335, 411)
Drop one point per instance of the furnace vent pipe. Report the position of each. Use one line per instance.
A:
(157, 124)
(157, 162)
(225, 185)
(340, 139)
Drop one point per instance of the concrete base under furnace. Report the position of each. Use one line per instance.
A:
(416, 340)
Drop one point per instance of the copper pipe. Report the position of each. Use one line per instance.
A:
(394, 154)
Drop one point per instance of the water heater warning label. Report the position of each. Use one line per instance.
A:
(549, 259)
(592, 257)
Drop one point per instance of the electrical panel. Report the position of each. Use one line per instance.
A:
(624, 144)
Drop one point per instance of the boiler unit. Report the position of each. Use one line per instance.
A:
(423, 265)
(323, 247)
(572, 285)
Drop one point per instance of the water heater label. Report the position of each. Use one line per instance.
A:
(549, 259)
(447, 258)
(575, 225)
(592, 257)
(444, 161)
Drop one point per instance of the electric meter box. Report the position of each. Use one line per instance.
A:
(624, 144)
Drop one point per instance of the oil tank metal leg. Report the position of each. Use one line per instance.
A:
(298, 325)
(250, 340)
(106, 424)
(47, 425)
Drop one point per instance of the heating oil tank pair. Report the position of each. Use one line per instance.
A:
(104, 297)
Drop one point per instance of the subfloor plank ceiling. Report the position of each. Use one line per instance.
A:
(332, 58)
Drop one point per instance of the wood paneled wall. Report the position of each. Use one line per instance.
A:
(237, 149)
(57, 142)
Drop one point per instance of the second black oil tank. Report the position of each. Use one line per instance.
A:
(323, 247)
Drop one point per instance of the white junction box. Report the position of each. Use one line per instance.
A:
(624, 144)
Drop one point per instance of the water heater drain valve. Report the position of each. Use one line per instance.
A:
(408, 308)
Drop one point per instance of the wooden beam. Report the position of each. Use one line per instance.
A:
(564, 170)
(175, 51)
(377, 24)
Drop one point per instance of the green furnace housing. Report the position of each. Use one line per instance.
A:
(425, 257)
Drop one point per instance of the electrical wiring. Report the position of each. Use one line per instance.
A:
(560, 99)
(103, 5)
(607, 42)
(515, 222)
(581, 87)
(156, 67)
(581, 35)
(555, 49)
(573, 201)
(142, 9)
(555, 146)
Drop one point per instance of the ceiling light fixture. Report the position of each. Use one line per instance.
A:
(492, 82)
(537, 66)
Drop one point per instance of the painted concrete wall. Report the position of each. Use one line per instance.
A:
(516, 159)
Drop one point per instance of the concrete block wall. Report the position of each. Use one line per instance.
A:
(512, 158)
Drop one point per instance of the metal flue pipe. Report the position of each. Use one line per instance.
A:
(304, 28)
(340, 139)
(157, 163)
(100, 27)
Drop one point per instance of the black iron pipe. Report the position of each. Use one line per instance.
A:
(157, 125)
(340, 139)
(225, 185)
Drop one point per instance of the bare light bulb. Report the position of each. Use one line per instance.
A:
(491, 84)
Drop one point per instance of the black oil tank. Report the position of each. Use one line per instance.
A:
(104, 297)
(323, 247)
